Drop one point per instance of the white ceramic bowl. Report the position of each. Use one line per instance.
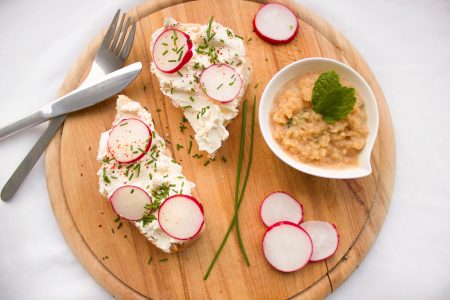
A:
(318, 64)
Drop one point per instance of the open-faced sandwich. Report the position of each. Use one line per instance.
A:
(204, 70)
(144, 184)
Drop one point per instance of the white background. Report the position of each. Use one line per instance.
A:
(407, 45)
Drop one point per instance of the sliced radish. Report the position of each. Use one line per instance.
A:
(325, 238)
(275, 23)
(221, 82)
(129, 140)
(172, 50)
(287, 247)
(129, 202)
(280, 206)
(181, 217)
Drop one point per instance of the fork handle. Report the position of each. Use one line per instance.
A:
(31, 120)
(19, 175)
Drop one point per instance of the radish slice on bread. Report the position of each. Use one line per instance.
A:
(129, 202)
(221, 82)
(280, 206)
(129, 140)
(172, 50)
(181, 217)
(325, 238)
(287, 247)
(275, 23)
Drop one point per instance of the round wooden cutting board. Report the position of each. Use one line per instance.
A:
(118, 257)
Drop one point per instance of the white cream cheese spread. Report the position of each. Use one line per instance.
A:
(156, 172)
(207, 117)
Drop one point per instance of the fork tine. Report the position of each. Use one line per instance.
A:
(116, 35)
(126, 49)
(109, 34)
(122, 37)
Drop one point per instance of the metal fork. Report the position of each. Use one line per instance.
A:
(111, 56)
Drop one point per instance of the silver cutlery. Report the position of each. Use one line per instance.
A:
(111, 55)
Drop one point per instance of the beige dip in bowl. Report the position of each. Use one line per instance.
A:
(304, 134)
(301, 138)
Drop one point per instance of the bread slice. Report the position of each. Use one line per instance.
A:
(156, 172)
(208, 117)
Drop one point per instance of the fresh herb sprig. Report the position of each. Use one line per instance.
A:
(330, 99)
(241, 195)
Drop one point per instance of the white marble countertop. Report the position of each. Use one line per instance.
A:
(407, 45)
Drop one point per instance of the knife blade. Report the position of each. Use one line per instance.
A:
(80, 98)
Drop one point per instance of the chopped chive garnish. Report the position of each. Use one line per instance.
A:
(123, 124)
(220, 86)
(256, 85)
(150, 176)
(191, 98)
(238, 36)
(149, 260)
(179, 147)
(117, 219)
(179, 73)
(224, 159)
(179, 56)
(249, 39)
(198, 156)
(165, 52)
(206, 163)
(165, 44)
(187, 106)
(120, 225)
(153, 134)
(172, 60)
(190, 146)
(141, 150)
(131, 176)
(182, 127)
(132, 191)
(105, 178)
(222, 40)
(163, 260)
(158, 109)
(208, 31)
(179, 50)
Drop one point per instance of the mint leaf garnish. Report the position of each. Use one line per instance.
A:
(330, 99)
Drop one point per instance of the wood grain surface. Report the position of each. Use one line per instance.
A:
(117, 258)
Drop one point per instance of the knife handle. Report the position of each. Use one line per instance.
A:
(19, 175)
(31, 120)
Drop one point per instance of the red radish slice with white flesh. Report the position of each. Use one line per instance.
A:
(129, 140)
(129, 202)
(172, 50)
(181, 217)
(280, 206)
(221, 82)
(287, 247)
(325, 238)
(275, 23)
